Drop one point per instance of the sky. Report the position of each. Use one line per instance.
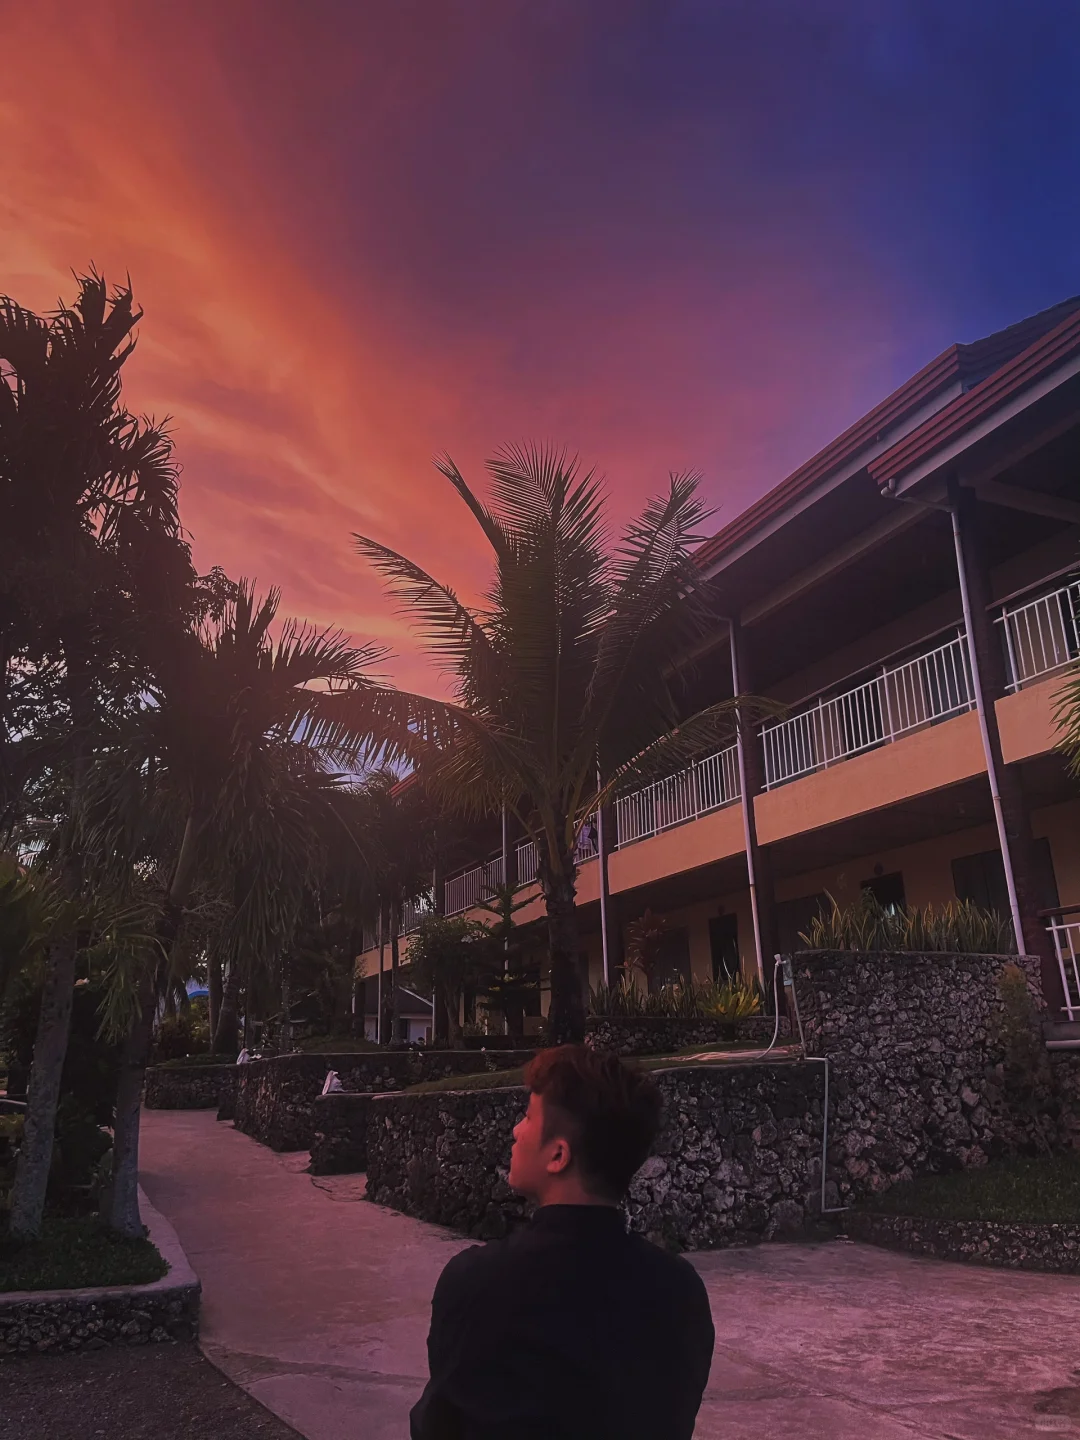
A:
(700, 234)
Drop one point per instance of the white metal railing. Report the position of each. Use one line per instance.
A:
(1041, 635)
(703, 786)
(1066, 936)
(525, 854)
(464, 891)
(526, 858)
(900, 699)
(413, 911)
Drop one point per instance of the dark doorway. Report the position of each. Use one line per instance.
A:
(672, 963)
(793, 918)
(981, 878)
(724, 947)
(887, 890)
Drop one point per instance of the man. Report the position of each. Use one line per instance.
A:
(572, 1329)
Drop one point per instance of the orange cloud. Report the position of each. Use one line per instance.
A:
(310, 374)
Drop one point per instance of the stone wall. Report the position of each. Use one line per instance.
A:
(652, 1035)
(189, 1087)
(275, 1097)
(737, 1158)
(339, 1142)
(916, 1076)
(984, 1242)
(917, 1082)
(35, 1323)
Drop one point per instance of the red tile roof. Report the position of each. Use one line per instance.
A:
(990, 394)
(966, 364)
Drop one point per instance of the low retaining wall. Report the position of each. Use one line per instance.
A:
(339, 1142)
(40, 1321)
(275, 1097)
(917, 1082)
(189, 1087)
(737, 1158)
(651, 1035)
(983, 1242)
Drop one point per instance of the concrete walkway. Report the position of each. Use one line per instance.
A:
(317, 1303)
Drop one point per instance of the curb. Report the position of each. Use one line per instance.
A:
(1051, 1248)
(34, 1321)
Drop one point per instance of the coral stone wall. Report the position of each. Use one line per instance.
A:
(985, 1242)
(339, 1141)
(917, 1081)
(737, 1158)
(916, 1076)
(275, 1097)
(653, 1035)
(91, 1319)
(189, 1087)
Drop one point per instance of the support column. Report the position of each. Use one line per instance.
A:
(1011, 813)
(751, 783)
(605, 831)
(440, 1023)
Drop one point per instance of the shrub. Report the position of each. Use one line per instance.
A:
(730, 1001)
(184, 1034)
(959, 927)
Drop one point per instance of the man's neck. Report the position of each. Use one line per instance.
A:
(568, 1192)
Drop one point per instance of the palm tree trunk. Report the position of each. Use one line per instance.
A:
(214, 970)
(395, 999)
(452, 1007)
(54, 1020)
(43, 1096)
(566, 1013)
(286, 1038)
(123, 1199)
(227, 1035)
(380, 1002)
(122, 1205)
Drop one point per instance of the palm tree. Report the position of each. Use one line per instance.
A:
(89, 538)
(223, 778)
(403, 824)
(563, 673)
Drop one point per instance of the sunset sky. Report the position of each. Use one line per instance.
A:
(702, 233)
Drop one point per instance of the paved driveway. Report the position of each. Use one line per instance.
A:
(317, 1303)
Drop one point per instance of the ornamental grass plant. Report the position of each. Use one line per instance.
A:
(957, 927)
(730, 1000)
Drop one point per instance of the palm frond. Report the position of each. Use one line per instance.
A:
(450, 631)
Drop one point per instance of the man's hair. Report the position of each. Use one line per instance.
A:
(608, 1111)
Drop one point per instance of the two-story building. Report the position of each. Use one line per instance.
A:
(911, 594)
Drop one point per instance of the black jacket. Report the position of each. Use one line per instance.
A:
(571, 1328)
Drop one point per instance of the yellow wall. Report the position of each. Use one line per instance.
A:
(685, 847)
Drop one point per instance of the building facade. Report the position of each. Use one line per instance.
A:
(911, 597)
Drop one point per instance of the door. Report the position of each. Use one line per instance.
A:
(724, 947)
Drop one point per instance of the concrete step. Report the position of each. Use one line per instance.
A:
(1061, 1034)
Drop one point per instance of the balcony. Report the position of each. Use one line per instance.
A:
(1039, 636)
(1042, 635)
(900, 699)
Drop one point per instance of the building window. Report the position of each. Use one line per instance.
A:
(793, 918)
(724, 947)
(887, 890)
(981, 878)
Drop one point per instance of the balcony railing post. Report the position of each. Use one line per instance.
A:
(1015, 676)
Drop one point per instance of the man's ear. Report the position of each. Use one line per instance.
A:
(560, 1157)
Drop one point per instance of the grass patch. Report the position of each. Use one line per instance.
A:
(193, 1062)
(74, 1252)
(336, 1045)
(506, 1079)
(1041, 1191)
(485, 1080)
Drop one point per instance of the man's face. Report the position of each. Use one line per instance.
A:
(532, 1156)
